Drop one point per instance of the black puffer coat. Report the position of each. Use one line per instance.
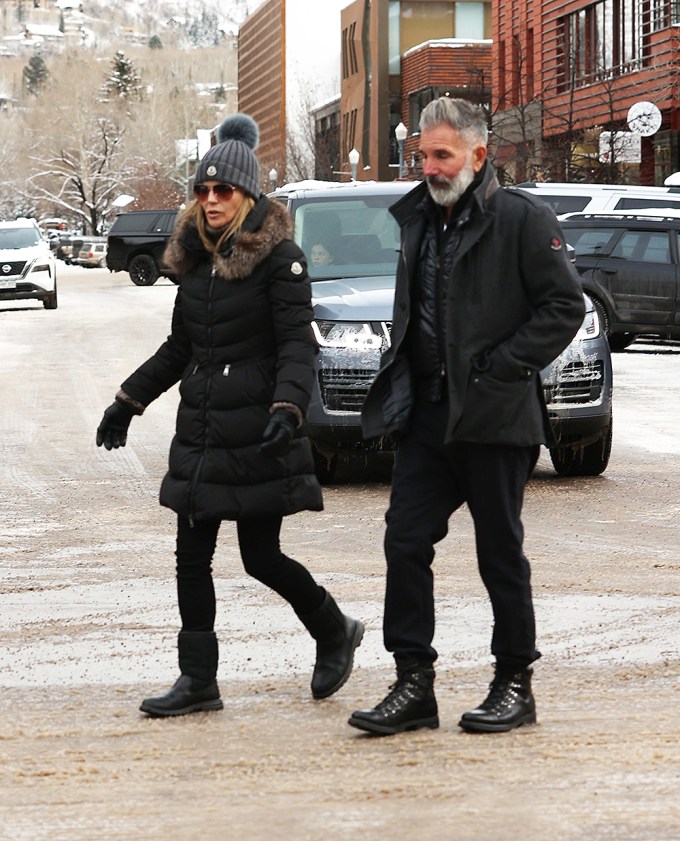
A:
(241, 340)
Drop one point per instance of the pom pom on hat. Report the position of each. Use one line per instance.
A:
(239, 127)
(232, 160)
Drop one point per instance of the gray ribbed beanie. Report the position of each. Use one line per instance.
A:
(231, 160)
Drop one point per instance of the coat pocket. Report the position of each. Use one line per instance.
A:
(499, 412)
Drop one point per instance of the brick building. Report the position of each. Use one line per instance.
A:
(567, 70)
(377, 64)
(397, 55)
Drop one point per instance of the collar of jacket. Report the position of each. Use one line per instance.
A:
(415, 200)
(267, 225)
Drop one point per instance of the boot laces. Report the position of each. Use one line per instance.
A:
(503, 692)
(401, 693)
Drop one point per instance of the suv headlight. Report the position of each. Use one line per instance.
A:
(590, 327)
(347, 334)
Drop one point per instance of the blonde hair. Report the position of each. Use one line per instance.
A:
(194, 213)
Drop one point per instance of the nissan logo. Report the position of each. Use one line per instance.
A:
(6, 269)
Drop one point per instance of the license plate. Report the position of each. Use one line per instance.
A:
(8, 284)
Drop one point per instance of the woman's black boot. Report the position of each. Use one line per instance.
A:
(337, 636)
(196, 689)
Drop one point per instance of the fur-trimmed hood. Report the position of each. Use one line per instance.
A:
(267, 224)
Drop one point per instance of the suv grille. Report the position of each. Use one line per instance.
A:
(578, 382)
(344, 389)
(16, 268)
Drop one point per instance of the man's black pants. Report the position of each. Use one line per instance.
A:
(429, 482)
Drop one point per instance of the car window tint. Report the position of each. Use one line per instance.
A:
(590, 241)
(627, 203)
(359, 235)
(134, 222)
(564, 204)
(644, 247)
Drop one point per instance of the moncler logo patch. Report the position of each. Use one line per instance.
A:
(211, 170)
(296, 268)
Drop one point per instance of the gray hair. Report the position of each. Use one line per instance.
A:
(467, 119)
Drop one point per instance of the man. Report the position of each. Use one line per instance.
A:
(485, 298)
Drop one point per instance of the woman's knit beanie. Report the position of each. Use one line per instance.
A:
(232, 160)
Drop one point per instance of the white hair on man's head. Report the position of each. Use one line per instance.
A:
(467, 119)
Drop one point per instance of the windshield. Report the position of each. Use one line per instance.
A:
(347, 237)
(18, 237)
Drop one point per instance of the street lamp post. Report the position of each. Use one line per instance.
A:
(400, 133)
(353, 158)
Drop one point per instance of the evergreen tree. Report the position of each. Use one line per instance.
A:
(123, 81)
(155, 43)
(35, 74)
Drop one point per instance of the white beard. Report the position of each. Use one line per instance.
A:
(448, 190)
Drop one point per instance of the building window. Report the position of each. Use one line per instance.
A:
(663, 13)
(424, 21)
(350, 65)
(604, 40)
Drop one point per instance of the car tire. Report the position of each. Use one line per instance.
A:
(325, 466)
(50, 301)
(143, 270)
(591, 460)
(617, 341)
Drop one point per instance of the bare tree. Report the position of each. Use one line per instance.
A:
(83, 177)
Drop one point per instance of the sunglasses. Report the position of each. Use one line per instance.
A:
(222, 191)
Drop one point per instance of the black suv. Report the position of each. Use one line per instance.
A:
(629, 263)
(136, 242)
(351, 241)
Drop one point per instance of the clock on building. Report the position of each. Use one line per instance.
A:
(644, 118)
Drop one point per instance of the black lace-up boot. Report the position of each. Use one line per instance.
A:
(337, 636)
(409, 705)
(509, 704)
(196, 689)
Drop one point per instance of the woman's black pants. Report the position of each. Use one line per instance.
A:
(262, 558)
(430, 481)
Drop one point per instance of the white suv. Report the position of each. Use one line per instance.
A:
(28, 268)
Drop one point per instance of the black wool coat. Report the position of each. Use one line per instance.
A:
(241, 340)
(513, 303)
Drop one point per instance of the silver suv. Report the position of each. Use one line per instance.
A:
(351, 241)
(28, 268)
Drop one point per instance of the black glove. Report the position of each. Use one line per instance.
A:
(279, 433)
(112, 431)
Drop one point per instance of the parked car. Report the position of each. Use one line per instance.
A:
(629, 264)
(136, 243)
(92, 254)
(63, 250)
(28, 268)
(601, 198)
(353, 297)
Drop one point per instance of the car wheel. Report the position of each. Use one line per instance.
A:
(591, 460)
(325, 466)
(617, 341)
(143, 270)
(50, 300)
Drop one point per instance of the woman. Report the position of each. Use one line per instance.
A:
(242, 346)
(321, 255)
